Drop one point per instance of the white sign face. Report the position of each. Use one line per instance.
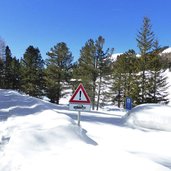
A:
(80, 96)
(80, 100)
(79, 107)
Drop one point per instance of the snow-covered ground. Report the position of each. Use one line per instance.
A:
(150, 116)
(36, 135)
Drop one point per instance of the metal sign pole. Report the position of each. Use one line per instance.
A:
(79, 118)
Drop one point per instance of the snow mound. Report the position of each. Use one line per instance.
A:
(31, 131)
(37, 135)
(150, 116)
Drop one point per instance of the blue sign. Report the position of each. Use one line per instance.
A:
(128, 103)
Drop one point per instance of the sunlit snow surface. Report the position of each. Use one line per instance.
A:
(36, 135)
(168, 50)
(150, 116)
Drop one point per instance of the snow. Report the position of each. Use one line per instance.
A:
(150, 116)
(36, 135)
(168, 50)
(114, 56)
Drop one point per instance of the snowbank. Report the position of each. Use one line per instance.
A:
(36, 135)
(150, 116)
(31, 132)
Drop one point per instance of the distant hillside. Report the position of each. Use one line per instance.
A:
(166, 51)
(114, 56)
(166, 55)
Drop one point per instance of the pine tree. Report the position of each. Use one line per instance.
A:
(12, 71)
(8, 69)
(117, 87)
(2, 74)
(32, 66)
(125, 78)
(16, 74)
(145, 40)
(87, 69)
(58, 71)
(91, 68)
(2, 64)
(157, 91)
(103, 67)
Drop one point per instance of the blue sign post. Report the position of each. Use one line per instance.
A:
(128, 103)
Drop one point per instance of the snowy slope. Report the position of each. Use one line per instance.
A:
(114, 56)
(36, 135)
(168, 50)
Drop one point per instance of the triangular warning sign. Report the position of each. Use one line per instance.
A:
(80, 96)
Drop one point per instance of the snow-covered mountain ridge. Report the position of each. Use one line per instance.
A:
(168, 50)
(114, 56)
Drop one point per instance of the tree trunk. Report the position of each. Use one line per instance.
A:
(94, 93)
(99, 93)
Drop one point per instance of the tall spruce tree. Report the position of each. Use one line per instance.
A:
(87, 69)
(16, 74)
(32, 66)
(117, 87)
(157, 92)
(91, 68)
(145, 40)
(2, 73)
(103, 67)
(12, 71)
(58, 71)
(2, 63)
(124, 78)
(8, 68)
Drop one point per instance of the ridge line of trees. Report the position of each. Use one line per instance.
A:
(141, 78)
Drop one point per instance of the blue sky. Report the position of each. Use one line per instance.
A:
(44, 23)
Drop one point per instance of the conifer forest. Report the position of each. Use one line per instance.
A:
(140, 75)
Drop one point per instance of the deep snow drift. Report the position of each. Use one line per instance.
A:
(36, 135)
(150, 116)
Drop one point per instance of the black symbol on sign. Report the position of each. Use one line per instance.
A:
(80, 95)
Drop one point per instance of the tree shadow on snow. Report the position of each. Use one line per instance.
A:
(166, 162)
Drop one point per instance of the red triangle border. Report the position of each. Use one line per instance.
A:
(87, 101)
